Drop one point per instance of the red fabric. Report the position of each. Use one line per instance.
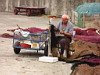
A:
(93, 29)
(93, 39)
(88, 31)
(84, 32)
(91, 60)
(91, 33)
(88, 35)
(31, 30)
(6, 35)
(34, 30)
(78, 31)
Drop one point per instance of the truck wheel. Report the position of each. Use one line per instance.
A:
(42, 12)
(15, 11)
(28, 13)
(17, 50)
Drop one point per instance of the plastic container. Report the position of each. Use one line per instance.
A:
(48, 59)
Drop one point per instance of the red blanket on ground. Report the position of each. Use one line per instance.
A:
(87, 35)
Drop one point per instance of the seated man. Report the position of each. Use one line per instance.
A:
(65, 28)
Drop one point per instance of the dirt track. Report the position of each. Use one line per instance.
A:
(25, 63)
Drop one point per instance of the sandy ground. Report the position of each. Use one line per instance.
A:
(25, 63)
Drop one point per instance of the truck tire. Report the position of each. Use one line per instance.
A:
(17, 50)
